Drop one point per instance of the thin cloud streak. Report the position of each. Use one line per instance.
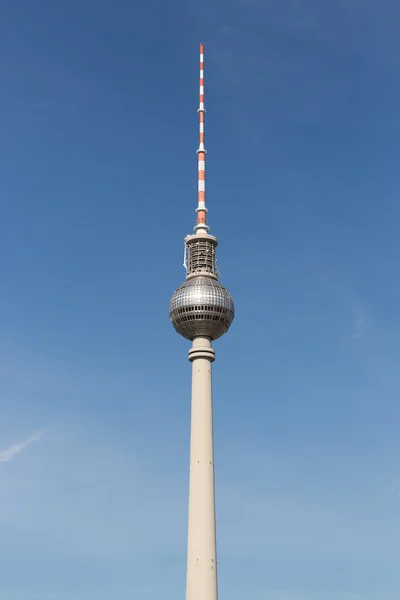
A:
(15, 449)
(360, 326)
(49, 596)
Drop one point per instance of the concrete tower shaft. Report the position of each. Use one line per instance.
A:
(201, 575)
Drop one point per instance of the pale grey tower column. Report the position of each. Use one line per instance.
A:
(202, 553)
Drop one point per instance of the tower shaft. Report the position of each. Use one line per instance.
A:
(201, 576)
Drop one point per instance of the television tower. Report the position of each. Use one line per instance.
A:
(201, 310)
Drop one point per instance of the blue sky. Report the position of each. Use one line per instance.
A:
(98, 188)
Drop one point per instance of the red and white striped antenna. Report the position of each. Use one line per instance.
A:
(201, 227)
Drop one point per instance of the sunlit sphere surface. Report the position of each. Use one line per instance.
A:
(201, 306)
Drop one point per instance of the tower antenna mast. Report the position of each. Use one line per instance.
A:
(201, 225)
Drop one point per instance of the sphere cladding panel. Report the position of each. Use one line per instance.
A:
(201, 306)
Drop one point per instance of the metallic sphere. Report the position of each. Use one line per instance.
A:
(201, 306)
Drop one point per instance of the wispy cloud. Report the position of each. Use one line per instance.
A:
(49, 596)
(138, 590)
(13, 450)
(317, 595)
(11, 594)
(360, 326)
